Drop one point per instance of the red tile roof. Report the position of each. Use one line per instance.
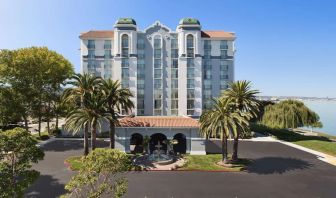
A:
(97, 34)
(218, 34)
(159, 121)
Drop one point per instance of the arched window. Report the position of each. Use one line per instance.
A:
(124, 40)
(190, 45)
(124, 45)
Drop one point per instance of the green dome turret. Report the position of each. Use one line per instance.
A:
(189, 21)
(126, 21)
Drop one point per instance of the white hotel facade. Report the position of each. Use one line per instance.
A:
(170, 73)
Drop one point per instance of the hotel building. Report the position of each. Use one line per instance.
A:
(170, 73)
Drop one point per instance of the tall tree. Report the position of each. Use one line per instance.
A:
(244, 101)
(117, 99)
(221, 118)
(289, 114)
(101, 175)
(18, 151)
(31, 73)
(78, 94)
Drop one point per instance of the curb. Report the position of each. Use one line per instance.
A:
(321, 156)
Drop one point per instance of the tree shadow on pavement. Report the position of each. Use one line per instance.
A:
(66, 145)
(277, 165)
(45, 186)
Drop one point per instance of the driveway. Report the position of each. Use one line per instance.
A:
(277, 171)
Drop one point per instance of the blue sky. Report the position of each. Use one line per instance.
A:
(285, 47)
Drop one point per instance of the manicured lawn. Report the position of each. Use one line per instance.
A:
(194, 162)
(74, 162)
(320, 143)
(44, 136)
(208, 163)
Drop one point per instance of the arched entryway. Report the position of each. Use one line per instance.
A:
(181, 146)
(155, 139)
(136, 143)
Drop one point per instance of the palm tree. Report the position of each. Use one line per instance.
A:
(117, 99)
(82, 86)
(221, 119)
(244, 102)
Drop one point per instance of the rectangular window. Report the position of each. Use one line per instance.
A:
(190, 62)
(174, 63)
(157, 112)
(140, 112)
(207, 44)
(141, 73)
(207, 94)
(207, 53)
(107, 54)
(157, 63)
(207, 84)
(141, 104)
(125, 83)
(158, 94)
(107, 44)
(157, 43)
(174, 112)
(174, 44)
(124, 62)
(157, 83)
(174, 73)
(190, 93)
(157, 73)
(223, 84)
(140, 93)
(141, 44)
(124, 43)
(157, 53)
(91, 54)
(223, 53)
(223, 44)
(125, 73)
(157, 104)
(190, 112)
(207, 74)
(190, 83)
(174, 93)
(174, 53)
(91, 44)
(124, 52)
(190, 52)
(107, 65)
(174, 104)
(190, 104)
(140, 84)
(174, 83)
(190, 72)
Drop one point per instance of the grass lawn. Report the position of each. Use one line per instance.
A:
(208, 163)
(75, 162)
(320, 143)
(194, 162)
(44, 136)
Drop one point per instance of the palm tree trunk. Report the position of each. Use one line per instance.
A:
(26, 122)
(224, 148)
(93, 136)
(86, 140)
(235, 149)
(56, 124)
(112, 134)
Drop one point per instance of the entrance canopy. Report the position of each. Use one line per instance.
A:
(159, 121)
